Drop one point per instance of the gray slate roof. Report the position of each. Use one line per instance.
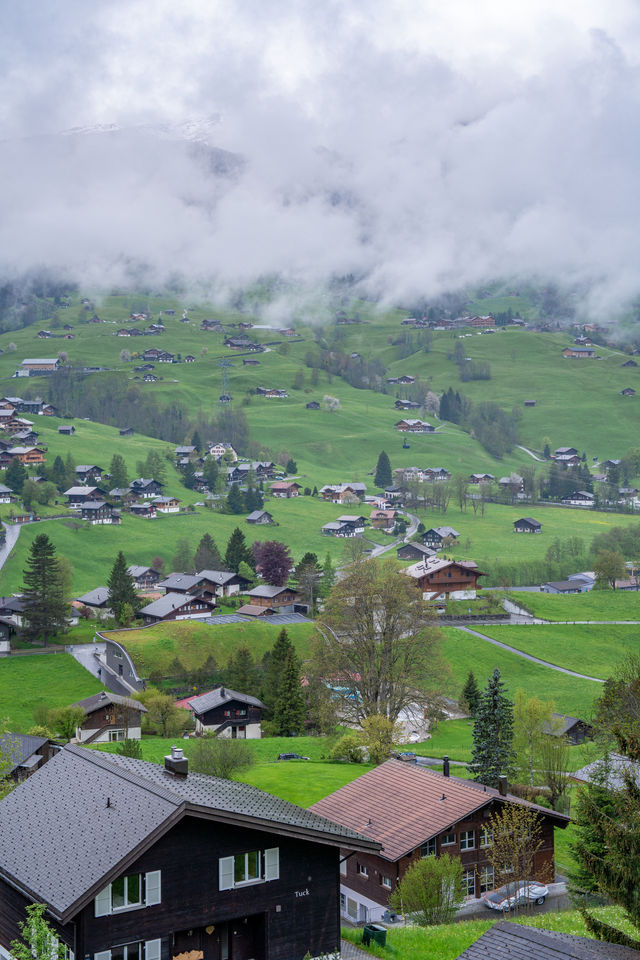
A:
(71, 790)
(179, 581)
(265, 590)
(18, 747)
(215, 698)
(98, 700)
(171, 601)
(511, 941)
(219, 576)
(134, 570)
(95, 598)
(611, 769)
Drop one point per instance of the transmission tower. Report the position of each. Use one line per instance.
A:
(225, 399)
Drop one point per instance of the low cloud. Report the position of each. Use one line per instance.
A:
(417, 149)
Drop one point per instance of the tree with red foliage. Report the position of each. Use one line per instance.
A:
(273, 562)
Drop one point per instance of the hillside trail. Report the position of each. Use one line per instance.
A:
(531, 453)
(528, 656)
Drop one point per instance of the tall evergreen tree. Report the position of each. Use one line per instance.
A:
(241, 670)
(207, 555)
(210, 473)
(274, 669)
(123, 598)
(15, 476)
(238, 552)
(58, 473)
(189, 476)
(183, 560)
(118, 471)
(196, 441)
(289, 711)
(328, 575)
(383, 476)
(471, 694)
(492, 754)
(235, 500)
(45, 609)
(70, 470)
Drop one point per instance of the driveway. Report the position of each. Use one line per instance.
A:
(12, 532)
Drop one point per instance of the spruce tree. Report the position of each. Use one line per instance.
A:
(210, 473)
(15, 476)
(118, 471)
(207, 555)
(70, 470)
(235, 499)
(274, 669)
(122, 590)
(189, 476)
(383, 476)
(183, 560)
(241, 670)
(471, 694)
(196, 441)
(45, 609)
(58, 473)
(492, 753)
(289, 711)
(328, 576)
(237, 551)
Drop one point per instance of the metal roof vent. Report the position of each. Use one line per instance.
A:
(176, 762)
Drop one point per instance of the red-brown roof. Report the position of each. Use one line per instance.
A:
(402, 805)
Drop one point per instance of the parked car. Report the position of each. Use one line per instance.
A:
(291, 756)
(515, 894)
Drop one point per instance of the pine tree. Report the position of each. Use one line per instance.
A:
(492, 753)
(237, 551)
(70, 471)
(118, 471)
(45, 609)
(235, 500)
(274, 669)
(383, 476)
(122, 590)
(210, 473)
(196, 441)
(289, 711)
(15, 476)
(207, 555)
(183, 560)
(471, 694)
(189, 476)
(58, 473)
(328, 575)
(241, 670)
(251, 499)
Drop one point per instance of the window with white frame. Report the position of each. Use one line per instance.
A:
(486, 879)
(385, 882)
(363, 870)
(467, 840)
(138, 950)
(448, 839)
(352, 908)
(469, 882)
(254, 866)
(486, 837)
(129, 893)
(116, 735)
(429, 849)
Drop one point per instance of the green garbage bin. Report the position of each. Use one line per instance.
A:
(375, 932)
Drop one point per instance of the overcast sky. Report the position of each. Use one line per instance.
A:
(424, 145)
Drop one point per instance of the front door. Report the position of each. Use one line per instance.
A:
(204, 943)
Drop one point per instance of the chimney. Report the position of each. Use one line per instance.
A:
(502, 786)
(445, 766)
(176, 762)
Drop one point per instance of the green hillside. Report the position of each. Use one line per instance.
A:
(595, 605)
(49, 680)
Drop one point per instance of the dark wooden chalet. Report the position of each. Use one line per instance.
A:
(436, 536)
(506, 941)
(446, 579)
(571, 728)
(98, 512)
(228, 713)
(414, 551)
(177, 606)
(77, 496)
(146, 488)
(527, 525)
(67, 428)
(206, 583)
(109, 717)
(284, 599)
(145, 510)
(87, 472)
(259, 517)
(144, 577)
(24, 754)
(415, 812)
(173, 864)
(285, 488)
(126, 432)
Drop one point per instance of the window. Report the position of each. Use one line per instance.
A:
(254, 866)
(343, 902)
(486, 837)
(467, 840)
(448, 839)
(385, 882)
(363, 870)
(469, 882)
(352, 908)
(128, 893)
(142, 950)
(116, 734)
(429, 849)
(127, 951)
(486, 879)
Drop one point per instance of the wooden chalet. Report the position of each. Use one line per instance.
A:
(479, 478)
(383, 519)
(579, 498)
(343, 492)
(177, 606)
(206, 583)
(436, 536)
(414, 426)
(628, 392)
(126, 432)
(570, 728)
(414, 813)
(35, 367)
(280, 599)
(174, 863)
(25, 455)
(148, 489)
(285, 489)
(99, 512)
(144, 577)
(24, 754)
(260, 517)
(109, 717)
(147, 511)
(67, 429)
(167, 504)
(446, 579)
(527, 525)
(228, 713)
(579, 353)
(86, 472)
(414, 551)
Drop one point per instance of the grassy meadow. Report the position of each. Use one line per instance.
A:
(52, 680)
(595, 605)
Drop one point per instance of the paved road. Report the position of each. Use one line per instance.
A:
(528, 656)
(411, 529)
(530, 452)
(12, 532)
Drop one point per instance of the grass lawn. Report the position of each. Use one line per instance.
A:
(192, 642)
(465, 652)
(299, 781)
(591, 649)
(448, 941)
(595, 605)
(52, 680)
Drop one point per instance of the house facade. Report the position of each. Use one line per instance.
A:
(415, 813)
(285, 488)
(228, 713)
(174, 864)
(177, 606)
(527, 525)
(436, 536)
(446, 579)
(109, 717)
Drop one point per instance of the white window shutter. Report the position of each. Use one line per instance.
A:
(152, 949)
(103, 955)
(272, 863)
(225, 873)
(103, 903)
(152, 886)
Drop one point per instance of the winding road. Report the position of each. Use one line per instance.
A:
(11, 532)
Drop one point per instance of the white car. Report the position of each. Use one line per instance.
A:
(515, 895)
